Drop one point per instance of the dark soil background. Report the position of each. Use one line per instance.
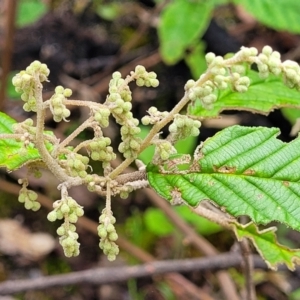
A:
(82, 50)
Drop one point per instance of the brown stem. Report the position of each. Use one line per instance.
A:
(7, 136)
(248, 269)
(120, 274)
(50, 162)
(8, 47)
(74, 134)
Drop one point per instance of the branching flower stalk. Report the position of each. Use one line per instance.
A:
(72, 168)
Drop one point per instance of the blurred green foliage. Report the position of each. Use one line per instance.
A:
(29, 11)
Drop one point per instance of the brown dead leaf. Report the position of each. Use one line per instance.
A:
(17, 240)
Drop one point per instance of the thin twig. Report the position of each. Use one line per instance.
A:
(248, 269)
(119, 274)
(8, 47)
(74, 134)
(14, 136)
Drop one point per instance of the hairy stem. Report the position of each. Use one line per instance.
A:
(50, 162)
(15, 136)
(248, 269)
(75, 133)
(213, 216)
(155, 129)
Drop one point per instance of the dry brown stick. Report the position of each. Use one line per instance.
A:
(135, 251)
(248, 269)
(198, 241)
(119, 274)
(8, 47)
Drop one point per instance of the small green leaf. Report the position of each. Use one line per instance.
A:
(157, 223)
(267, 245)
(12, 153)
(280, 15)
(245, 170)
(263, 96)
(195, 60)
(110, 11)
(30, 11)
(180, 24)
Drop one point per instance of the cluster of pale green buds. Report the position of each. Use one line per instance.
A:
(102, 116)
(119, 99)
(205, 93)
(154, 116)
(57, 106)
(131, 142)
(118, 85)
(120, 106)
(108, 235)
(76, 164)
(268, 61)
(222, 77)
(144, 78)
(163, 149)
(69, 210)
(291, 74)
(100, 149)
(25, 126)
(183, 127)
(124, 191)
(27, 130)
(25, 82)
(28, 197)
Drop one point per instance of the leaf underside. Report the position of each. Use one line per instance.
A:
(263, 96)
(245, 170)
(267, 245)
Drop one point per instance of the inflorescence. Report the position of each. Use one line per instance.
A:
(221, 74)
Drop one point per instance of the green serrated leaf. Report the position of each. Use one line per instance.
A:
(12, 153)
(180, 24)
(245, 170)
(267, 245)
(263, 96)
(280, 15)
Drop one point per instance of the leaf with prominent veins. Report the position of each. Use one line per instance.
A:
(245, 170)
